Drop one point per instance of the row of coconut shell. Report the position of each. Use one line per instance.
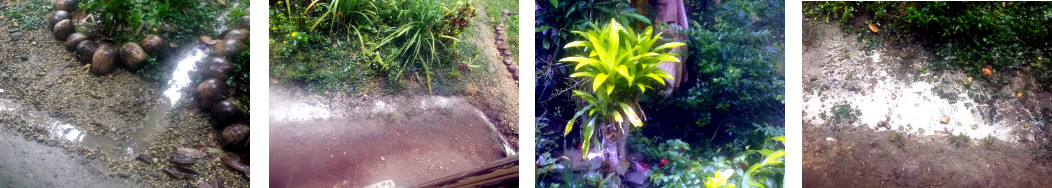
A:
(105, 55)
(502, 46)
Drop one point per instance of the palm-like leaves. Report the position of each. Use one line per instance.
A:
(621, 65)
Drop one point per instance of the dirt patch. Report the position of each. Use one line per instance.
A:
(42, 85)
(906, 117)
(862, 156)
(360, 141)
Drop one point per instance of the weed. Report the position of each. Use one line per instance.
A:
(844, 114)
(960, 140)
(898, 139)
(988, 142)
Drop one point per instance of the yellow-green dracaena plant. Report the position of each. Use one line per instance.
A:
(621, 64)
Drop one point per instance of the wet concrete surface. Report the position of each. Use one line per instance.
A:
(407, 139)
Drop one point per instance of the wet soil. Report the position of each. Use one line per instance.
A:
(903, 103)
(317, 141)
(50, 98)
(862, 157)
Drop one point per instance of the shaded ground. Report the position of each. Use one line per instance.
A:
(358, 141)
(899, 139)
(863, 157)
(493, 90)
(107, 121)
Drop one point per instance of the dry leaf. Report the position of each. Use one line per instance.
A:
(208, 40)
(873, 28)
(988, 71)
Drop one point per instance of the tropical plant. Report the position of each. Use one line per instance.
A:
(620, 64)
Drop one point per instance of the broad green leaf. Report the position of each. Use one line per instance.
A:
(623, 70)
(576, 44)
(569, 125)
(580, 74)
(587, 133)
(587, 96)
(669, 45)
(599, 79)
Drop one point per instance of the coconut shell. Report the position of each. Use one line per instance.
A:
(209, 91)
(226, 111)
(85, 50)
(234, 136)
(227, 48)
(73, 40)
(63, 29)
(55, 17)
(66, 5)
(236, 34)
(132, 55)
(154, 45)
(104, 60)
(218, 68)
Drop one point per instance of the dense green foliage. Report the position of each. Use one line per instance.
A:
(176, 20)
(734, 90)
(736, 86)
(964, 36)
(344, 44)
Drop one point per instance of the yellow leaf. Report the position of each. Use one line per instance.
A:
(873, 28)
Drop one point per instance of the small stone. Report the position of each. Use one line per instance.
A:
(945, 120)
(974, 126)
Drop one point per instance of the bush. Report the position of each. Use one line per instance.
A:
(963, 36)
(736, 83)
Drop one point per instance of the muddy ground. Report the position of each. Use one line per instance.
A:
(903, 103)
(42, 85)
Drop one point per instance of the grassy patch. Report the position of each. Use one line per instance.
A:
(30, 14)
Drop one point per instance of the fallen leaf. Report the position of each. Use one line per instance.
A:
(208, 40)
(873, 28)
(988, 71)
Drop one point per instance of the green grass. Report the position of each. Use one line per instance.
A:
(898, 139)
(30, 14)
(844, 113)
(493, 10)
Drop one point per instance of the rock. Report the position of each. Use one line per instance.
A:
(236, 34)
(226, 111)
(154, 45)
(85, 50)
(66, 5)
(234, 136)
(18, 35)
(187, 156)
(506, 53)
(181, 173)
(132, 55)
(73, 40)
(213, 183)
(944, 120)
(227, 48)
(507, 61)
(512, 69)
(236, 161)
(883, 124)
(209, 91)
(55, 17)
(242, 23)
(143, 158)
(104, 60)
(63, 29)
(218, 68)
